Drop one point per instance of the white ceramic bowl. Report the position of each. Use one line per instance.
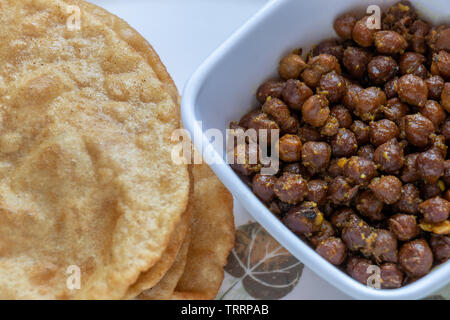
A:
(223, 89)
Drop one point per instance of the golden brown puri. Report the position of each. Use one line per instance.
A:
(212, 237)
(199, 274)
(86, 176)
(137, 42)
(150, 277)
(164, 289)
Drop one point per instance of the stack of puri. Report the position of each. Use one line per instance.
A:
(92, 206)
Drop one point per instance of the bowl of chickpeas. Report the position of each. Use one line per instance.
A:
(340, 115)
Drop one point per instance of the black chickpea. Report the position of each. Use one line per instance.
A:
(381, 69)
(295, 93)
(290, 147)
(291, 66)
(344, 26)
(315, 110)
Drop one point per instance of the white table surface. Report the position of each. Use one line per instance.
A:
(184, 33)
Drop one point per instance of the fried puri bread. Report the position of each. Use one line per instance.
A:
(212, 237)
(151, 277)
(134, 39)
(164, 289)
(199, 274)
(86, 176)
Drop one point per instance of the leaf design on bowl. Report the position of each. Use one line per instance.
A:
(265, 269)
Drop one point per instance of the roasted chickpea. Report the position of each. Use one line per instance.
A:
(331, 127)
(445, 130)
(399, 16)
(441, 247)
(430, 165)
(316, 156)
(333, 250)
(369, 206)
(416, 258)
(409, 171)
(291, 188)
(383, 131)
(357, 235)
(361, 131)
(304, 219)
(445, 97)
(344, 143)
(412, 63)
(318, 66)
(271, 89)
(384, 246)
(257, 121)
(358, 269)
(331, 47)
(336, 167)
(442, 39)
(391, 87)
(362, 34)
(294, 167)
(433, 111)
(360, 171)
(404, 226)
(295, 93)
(355, 61)
(246, 160)
(419, 30)
(432, 190)
(309, 134)
(344, 26)
(409, 200)
(333, 86)
(441, 64)
(395, 110)
(340, 192)
(438, 144)
(413, 90)
(341, 217)
(387, 188)
(381, 69)
(418, 129)
(391, 276)
(349, 99)
(315, 110)
(263, 186)
(343, 115)
(435, 210)
(290, 147)
(326, 231)
(368, 102)
(446, 176)
(435, 84)
(317, 191)
(366, 152)
(279, 112)
(291, 66)
(389, 156)
(389, 42)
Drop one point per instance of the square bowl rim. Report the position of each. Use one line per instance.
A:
(435, 280)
